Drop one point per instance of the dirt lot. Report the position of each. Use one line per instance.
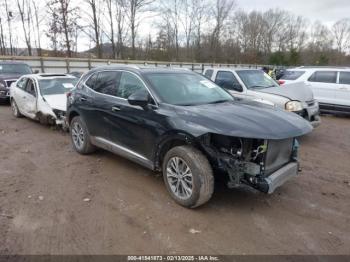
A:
(43, 185)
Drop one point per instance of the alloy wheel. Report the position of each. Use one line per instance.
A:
(180, 178)
(78, 135)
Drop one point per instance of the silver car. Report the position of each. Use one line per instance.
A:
(254, 84)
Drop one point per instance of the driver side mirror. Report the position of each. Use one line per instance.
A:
(237, 87)
(139, 98)
(36, 71)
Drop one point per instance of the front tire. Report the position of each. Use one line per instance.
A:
(80, 136)
(188, 176)
(15, 109)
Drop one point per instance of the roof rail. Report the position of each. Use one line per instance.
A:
(335, 67)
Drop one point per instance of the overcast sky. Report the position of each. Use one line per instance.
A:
(326, 11)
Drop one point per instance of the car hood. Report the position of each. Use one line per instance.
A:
(243, 119)
(57, 101)
(293, 91)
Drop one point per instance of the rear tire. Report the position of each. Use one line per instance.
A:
(15, 109)
(188, 176)
(80, 137)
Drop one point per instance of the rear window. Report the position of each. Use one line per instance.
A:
(344, 78)
(292, 75)
(324, 77)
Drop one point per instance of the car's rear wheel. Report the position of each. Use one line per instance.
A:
(80, 136)
(188, 176)
(15, 109)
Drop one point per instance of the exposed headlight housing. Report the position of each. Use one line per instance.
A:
(2, 85)
(294, 106)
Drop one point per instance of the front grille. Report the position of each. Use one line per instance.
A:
(310, 103)
(279, 153)
(9, 82)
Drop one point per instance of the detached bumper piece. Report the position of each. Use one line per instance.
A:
(278, 178)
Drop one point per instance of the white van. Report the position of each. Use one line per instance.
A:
(331, 86)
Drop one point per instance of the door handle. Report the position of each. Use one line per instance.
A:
(115, 108)
(82, 99)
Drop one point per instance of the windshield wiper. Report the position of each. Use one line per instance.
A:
(220, 101)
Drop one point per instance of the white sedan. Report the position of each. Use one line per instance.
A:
(42, 97)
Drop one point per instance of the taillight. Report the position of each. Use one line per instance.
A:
(68, 94)
(281, 82)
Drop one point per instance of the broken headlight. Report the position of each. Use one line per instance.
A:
(59, 113)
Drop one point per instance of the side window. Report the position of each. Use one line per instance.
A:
(91, 81)
(324, 77)
(30, 87)
(209, 73)
(22, 83)
(129, 84)
(344, 78)
(227, 80)
(107, 82)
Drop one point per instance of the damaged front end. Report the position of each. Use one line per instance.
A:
(56, 117)
(260, 163)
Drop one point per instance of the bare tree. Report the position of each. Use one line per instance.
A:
(9, 15)
(110, 9)
(221, 12)
(200, 16)
(95, 23)
(62, 22)
(24, 9)
(37, 25)
(133, 10)
(341, 32)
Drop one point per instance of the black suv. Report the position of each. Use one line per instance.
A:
(180, 123)
(10, 71)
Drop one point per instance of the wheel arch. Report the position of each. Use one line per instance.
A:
(170, 141)
(71, 115)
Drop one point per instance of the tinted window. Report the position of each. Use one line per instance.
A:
(30, 88)
(91, 81)
(291, 75)
(186, 89)
(22, 83)
(227, 80)
(324, 77)
(208, 73)
(129, 84)
(344, 78)
(56, 86)
(107, 83)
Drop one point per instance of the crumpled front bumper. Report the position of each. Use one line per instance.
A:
(312, 114)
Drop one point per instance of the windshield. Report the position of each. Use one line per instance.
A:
(256, 79)
(57, 86)
(186, 89)
(292, 75)
(15, 69)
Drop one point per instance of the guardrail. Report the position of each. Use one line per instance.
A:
(66, 65)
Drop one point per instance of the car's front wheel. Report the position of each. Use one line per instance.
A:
(80, 136)
(188, 176)
(15, 109)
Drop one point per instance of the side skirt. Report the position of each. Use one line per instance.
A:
(122, 151)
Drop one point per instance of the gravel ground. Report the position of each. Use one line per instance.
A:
(54, 201)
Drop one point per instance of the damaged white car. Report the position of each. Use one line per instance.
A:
(42, 97)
